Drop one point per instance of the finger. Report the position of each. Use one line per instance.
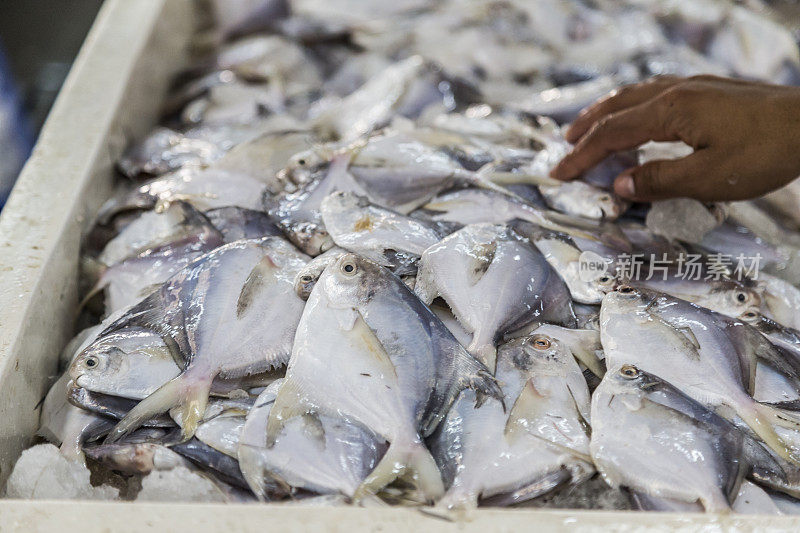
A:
(620, 131)
(688, 177)
(618, 100)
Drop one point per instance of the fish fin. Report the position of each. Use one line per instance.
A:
(590, 360)
(515, 178)
(690, 336)
(762, 419)
(527, 402)
(466, 372)
(175, 392)
(396, 462)
(480, 260)
(101, 284)
(485, 386)
(543, 485)
(425, 287)
(263, 271)
(287, 406)
(587, 427)
(485, 352)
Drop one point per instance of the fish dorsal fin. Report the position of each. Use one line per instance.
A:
(480, 260)
(528, 402)
(258, 277)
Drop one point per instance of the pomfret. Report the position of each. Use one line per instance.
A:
(540, 443)
(495, 282)
(212, 314)
(397, 370)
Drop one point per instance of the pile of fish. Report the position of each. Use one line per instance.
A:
(339, 269)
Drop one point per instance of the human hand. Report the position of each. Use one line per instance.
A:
(745, 135)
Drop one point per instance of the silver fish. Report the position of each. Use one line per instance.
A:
(309, 274)
(164, 150)
(495, 282)
(320, 453)
(540, 443)
(649, 436)
(677, 341)
(202, 188)
(236, 223)
(381, 235)
(235, 289)
(398, 372)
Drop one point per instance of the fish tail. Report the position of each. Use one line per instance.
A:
(253, 471)
(484, 351)
(762, 420)
(399, 459)
(160, 401)
(458, 497)
(287, 406)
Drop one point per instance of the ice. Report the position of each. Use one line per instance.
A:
(653, 151)
(682, 219)
(43, 473)
(180, 485)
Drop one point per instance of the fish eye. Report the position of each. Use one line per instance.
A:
(742, 297)
(749, 314)
(306, 279)
(91, 361)
(349, 268)
(541, 343)
(301, 162)
(625, 289)
(629, 371)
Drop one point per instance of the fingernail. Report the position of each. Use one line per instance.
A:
(625, 186)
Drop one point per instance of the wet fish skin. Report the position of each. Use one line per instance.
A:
(495, 282)
(130, 363)
(309, 274)
(649, 436)
(538, 444)
(323, 454)
(236, 289)
(400, 367)
(684, 340)
(381, 235)
(236, 223)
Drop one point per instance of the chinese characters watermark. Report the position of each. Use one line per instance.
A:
(661, 267)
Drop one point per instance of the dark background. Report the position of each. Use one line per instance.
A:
(40, 39)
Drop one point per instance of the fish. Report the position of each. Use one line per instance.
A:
(398, 368)
(318, 453)
(236, 289)
(68, 426)
(165, 150)
(727, 296)
(309, 274)
(202, 188)
(580, 199)
(676, 341)
(780, 299)
(176, 223)
(383, 236)
(649, 436)
(538, 444)
(128, 362)
(564, 255)
(236, 223)
(477, 206)
(264, 157)
(495, 282)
